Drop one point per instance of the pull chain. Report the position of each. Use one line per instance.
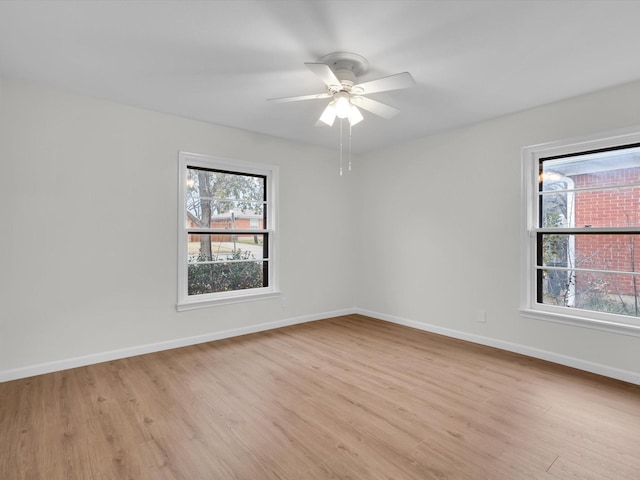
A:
(340, 147)
(350, 127)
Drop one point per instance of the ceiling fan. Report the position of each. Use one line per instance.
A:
(339, 72)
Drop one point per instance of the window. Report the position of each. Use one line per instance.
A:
(582, 232)
(226, 231)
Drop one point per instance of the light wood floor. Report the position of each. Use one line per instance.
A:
(347, 398)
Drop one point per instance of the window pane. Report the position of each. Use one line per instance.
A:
(600, 292)
(225, 247)
(591, 251)
(616, 207)
(608, 208)
(225, 276)
(597, 189)
(223, 263)
(557, 210)
(217, 199)
(610, 168)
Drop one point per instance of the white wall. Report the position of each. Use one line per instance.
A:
(440, 232)
(88, 212)
(88, 246)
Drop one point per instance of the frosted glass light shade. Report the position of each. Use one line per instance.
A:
(355, 116)
(329, 114)
(343, 106)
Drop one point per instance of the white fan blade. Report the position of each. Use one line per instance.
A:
(325, 74)
(381, 109)
(328, 116)
(392, 82)
(301, 97)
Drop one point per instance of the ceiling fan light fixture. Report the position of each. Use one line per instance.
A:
(339, 72)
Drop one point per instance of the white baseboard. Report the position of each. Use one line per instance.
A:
(48, 367)
(607, 371)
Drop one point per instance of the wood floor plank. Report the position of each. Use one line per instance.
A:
(344, 398)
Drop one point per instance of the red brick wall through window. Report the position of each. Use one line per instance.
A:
(614, 207)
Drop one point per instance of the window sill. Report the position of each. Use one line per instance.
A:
(227, 300)
(577, 321)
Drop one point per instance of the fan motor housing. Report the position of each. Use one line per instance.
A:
(346, 66)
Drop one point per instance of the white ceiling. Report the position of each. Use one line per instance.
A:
(219, 61)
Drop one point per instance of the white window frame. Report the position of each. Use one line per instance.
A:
(189, 302)
(529, 307)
